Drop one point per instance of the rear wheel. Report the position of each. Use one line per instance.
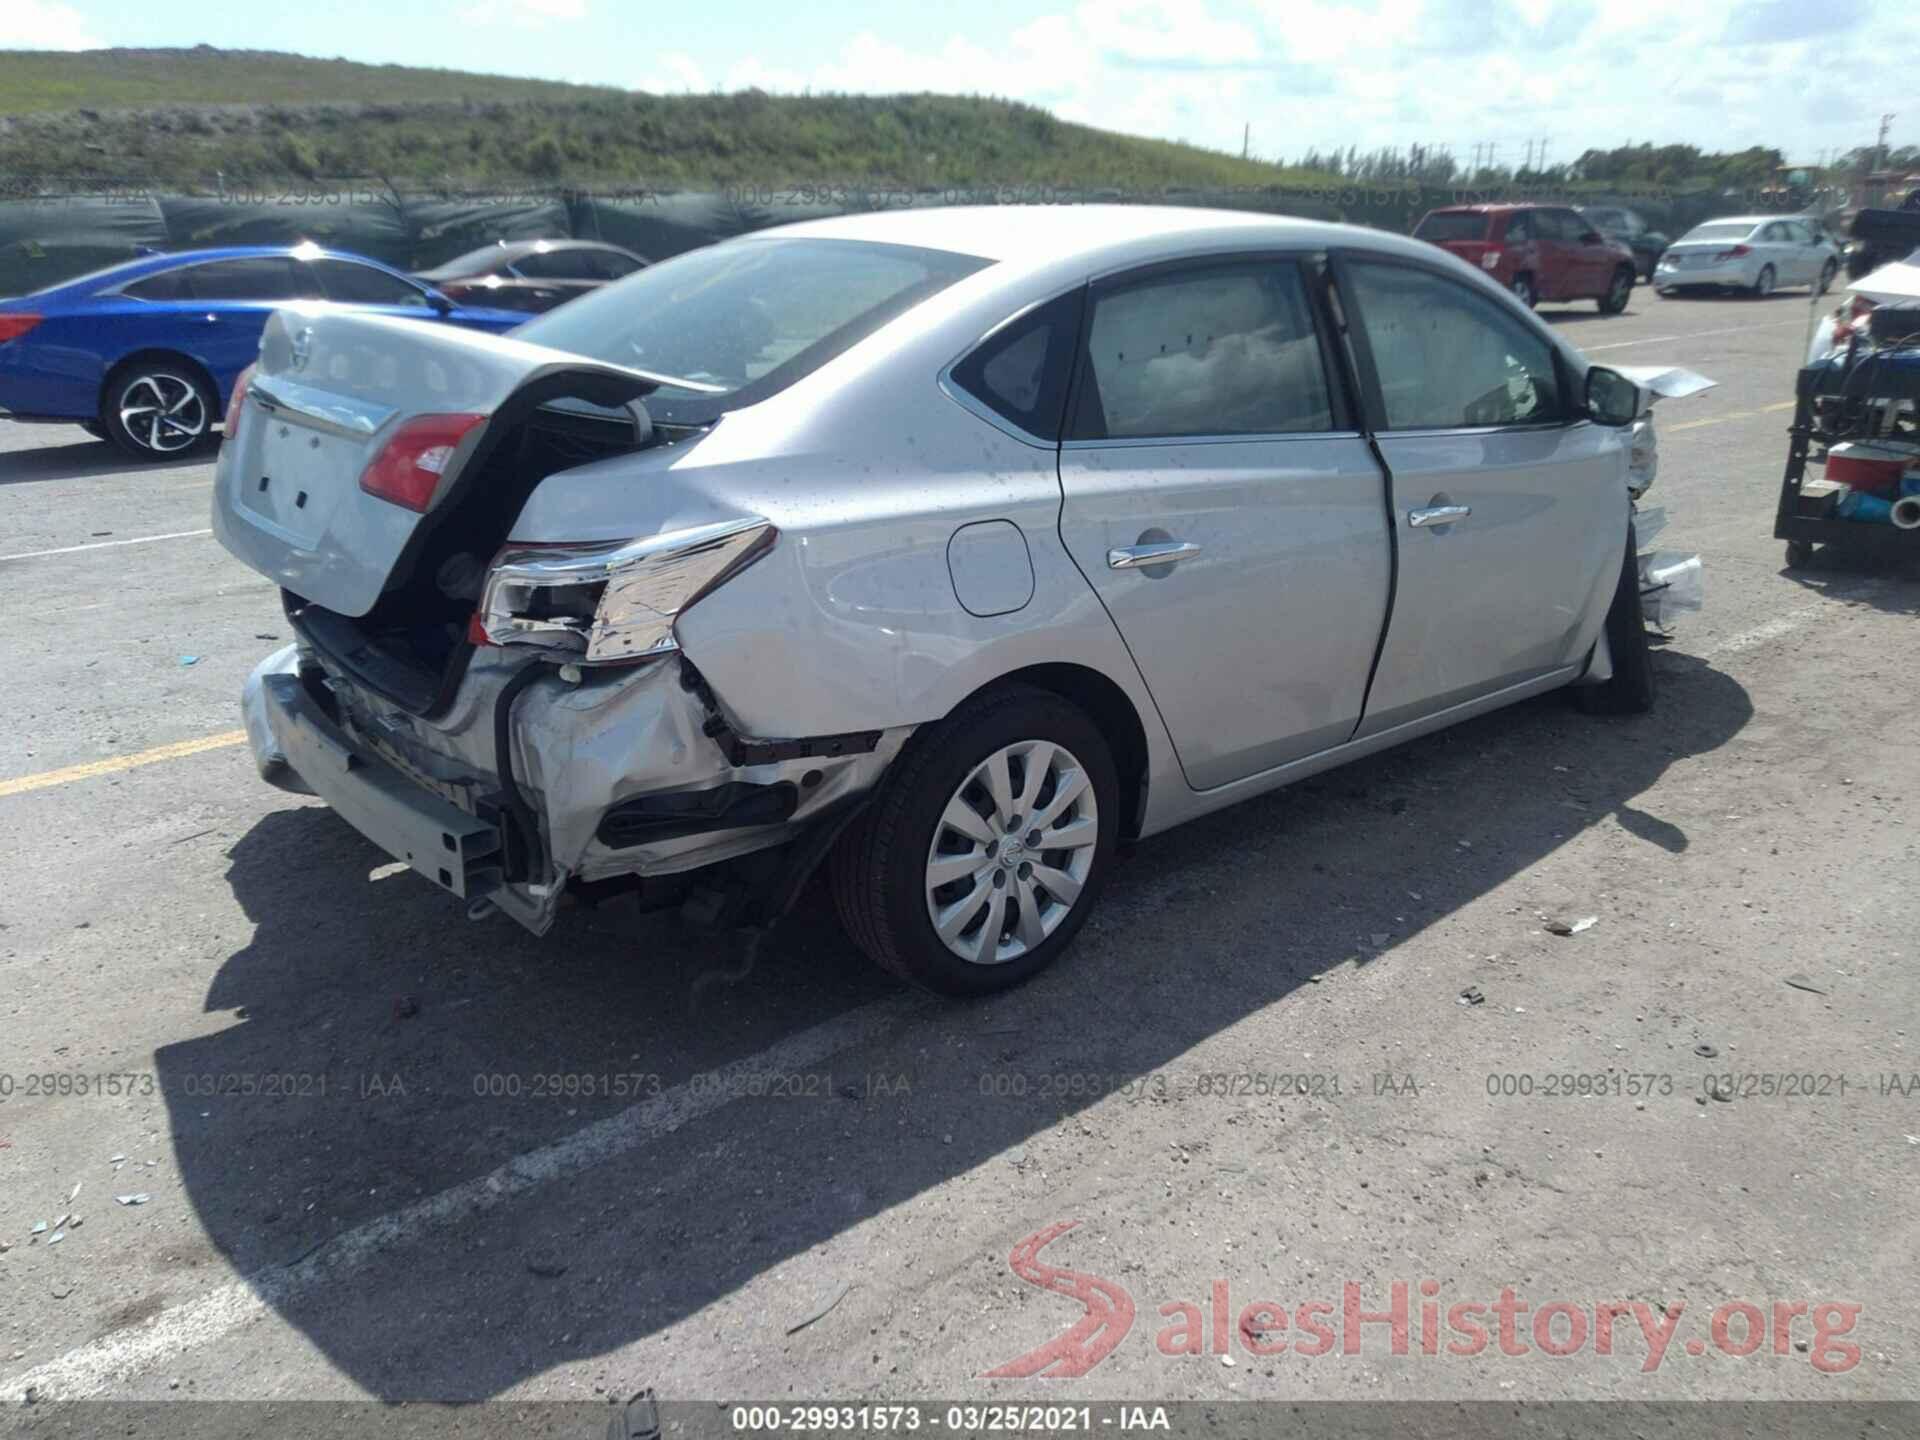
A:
(1827, 272)
(1618, 289)
(986, 847)
(1523, 290)
(1630, 691)
(156, 409)
(1763, 283)
(94, 428)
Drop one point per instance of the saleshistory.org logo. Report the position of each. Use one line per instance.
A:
(1466, 1328)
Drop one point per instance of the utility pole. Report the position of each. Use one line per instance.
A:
(1246, 139)
(1880, 149)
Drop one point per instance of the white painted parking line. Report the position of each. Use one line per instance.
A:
(105, 545)
(89, 1369)
(1697, 334)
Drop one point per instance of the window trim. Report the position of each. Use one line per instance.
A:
(1374, 411)
(1346, 423)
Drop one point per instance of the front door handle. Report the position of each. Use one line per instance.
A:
(1438, 515)
(1160, 552)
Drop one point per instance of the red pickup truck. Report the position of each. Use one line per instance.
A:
(1539, 252)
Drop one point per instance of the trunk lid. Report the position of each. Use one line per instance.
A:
(329, 393)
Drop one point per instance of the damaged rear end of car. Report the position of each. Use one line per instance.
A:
(511, 718)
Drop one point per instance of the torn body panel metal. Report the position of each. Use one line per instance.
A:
(579, 751)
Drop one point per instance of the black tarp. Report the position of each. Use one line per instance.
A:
(45, 241)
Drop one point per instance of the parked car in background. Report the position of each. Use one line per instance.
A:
(1754, 253)
(1626, 226)
(1539, 252)
(531, 275)
(884, 540)
(145, 353)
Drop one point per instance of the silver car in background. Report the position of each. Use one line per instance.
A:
(1755, 253)
(946, 548)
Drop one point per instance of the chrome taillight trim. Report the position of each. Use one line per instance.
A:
(646, 585)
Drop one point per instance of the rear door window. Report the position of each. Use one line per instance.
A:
(1022, 371)
(356, 284)
(1547, 226)
(612, 264)
(1221, 350)
(254, 277)
(167, 285)
(558, 265)
(1445, 225)
(1447, 358)
(1520, 227)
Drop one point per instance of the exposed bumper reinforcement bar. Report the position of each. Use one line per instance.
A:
(458, 852)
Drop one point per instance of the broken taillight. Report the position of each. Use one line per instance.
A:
(238, 398)
(407, 470)
(12, 327)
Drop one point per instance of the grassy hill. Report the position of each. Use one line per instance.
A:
(176, 117)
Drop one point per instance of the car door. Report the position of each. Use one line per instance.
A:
(1590, 258)
(1778, 250)
(1509, 509)
(1558, 249)
(1220, 499)
(215, 311)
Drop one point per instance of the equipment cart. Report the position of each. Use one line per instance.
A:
(1861, 397)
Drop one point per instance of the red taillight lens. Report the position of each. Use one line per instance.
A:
(12, 327)
(238, 398)
(1735, 253)
(408, 470)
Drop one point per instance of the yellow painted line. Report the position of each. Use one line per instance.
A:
(46, 779)
(1723, 419)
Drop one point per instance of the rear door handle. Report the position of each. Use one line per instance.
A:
(1438, 515)
(1160, 552)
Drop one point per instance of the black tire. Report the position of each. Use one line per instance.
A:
(1827, 272)
(1619, 291)
(1799, 554)
(1631, 689)
(879, 868)
(1763, 283)
(94, 428)
(158, 409)
(1523, 290)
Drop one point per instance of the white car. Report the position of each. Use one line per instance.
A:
(1754, 253)
(951, 547)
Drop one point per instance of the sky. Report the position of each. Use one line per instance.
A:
(1806, 76)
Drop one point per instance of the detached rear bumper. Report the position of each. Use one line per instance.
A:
(292, 739)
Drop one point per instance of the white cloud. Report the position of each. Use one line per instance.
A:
(1574, 74)
(49, 25)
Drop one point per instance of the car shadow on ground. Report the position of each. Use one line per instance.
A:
(77, 456)
(409, 1051)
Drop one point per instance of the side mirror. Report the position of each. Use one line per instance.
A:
(1592, 237)
(1612, 399)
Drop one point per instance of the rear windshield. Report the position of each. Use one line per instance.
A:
(743, 320)
(1447, 225)
(1720, 230)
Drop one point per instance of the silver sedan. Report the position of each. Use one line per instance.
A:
(947, 548)
(1754, 253)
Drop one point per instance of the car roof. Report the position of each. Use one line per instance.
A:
(1748, 220)
(1033, 235)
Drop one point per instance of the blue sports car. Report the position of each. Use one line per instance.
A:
(145, 353)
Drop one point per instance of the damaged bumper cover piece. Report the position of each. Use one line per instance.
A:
(619, 770)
